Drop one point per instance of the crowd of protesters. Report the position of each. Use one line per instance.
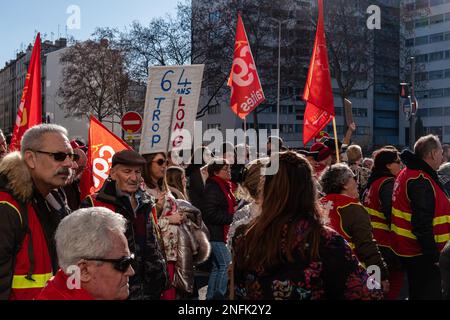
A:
(325, 225)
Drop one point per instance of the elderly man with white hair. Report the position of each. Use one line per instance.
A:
(444, 176)
(94, 257)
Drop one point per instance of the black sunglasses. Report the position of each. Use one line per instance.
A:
(121, 264)
(161, 162)
(60, 156)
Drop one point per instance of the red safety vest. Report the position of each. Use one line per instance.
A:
(403, 241)
(25, 287)
(332, 203)
(372, 202)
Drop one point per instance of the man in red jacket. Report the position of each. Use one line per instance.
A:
(94, 257)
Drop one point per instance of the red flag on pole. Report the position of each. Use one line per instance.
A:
(103, 144)
(29, 113)
(246, 90)
(318, 93)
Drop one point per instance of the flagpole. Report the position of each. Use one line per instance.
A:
(336, 140)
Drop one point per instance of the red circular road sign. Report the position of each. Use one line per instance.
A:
(131, 122)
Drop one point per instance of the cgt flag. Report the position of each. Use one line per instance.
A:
(30, 108)
(103, 144)
(246, 90)
(318, 93)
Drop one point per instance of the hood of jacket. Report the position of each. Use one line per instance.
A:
(413, 162)
(16, 177)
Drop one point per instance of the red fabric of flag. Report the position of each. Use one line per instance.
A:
(103, 144)
(318, 93)
(246, 90)
(29, 113)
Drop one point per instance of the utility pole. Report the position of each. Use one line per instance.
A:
(412, 119)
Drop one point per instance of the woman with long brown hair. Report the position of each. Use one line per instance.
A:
(176, 180)
(287, 252)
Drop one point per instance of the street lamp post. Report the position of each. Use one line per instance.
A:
(412, 119)
(280, 22)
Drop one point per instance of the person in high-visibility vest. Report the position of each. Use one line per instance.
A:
(377, 200)
(349, 218)
(420, 225)
(27, 220)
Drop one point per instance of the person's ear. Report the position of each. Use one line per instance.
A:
(113, 173)
(30, 159)
(85, 274)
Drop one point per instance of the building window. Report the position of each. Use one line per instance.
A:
(447, 130)
(447, 36)
(435, 130)
(436, 55)
(435, 75)
(436, 2)
(422, 58)
(437, 37)
(447, 73)
(421, 40)
(436, 93)
(216, 109)
(422, 22)
(214, 126)
(435, 112)
(447, 92)
(437, 19)
(422, 112)
(409, 42)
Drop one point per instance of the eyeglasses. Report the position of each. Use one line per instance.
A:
(60, 156)
(161, 162)
(121, 264)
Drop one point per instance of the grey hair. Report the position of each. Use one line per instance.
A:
(86, 233)
(335, 177)
(32, 139)
(445, 169)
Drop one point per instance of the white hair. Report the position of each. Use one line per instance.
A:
(445, 169)
(33, 137)
(86, 233)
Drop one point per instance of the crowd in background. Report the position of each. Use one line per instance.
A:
(324, 226)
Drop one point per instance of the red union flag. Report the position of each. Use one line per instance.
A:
(30, 108)
(103, 144)
(246, 90)
(318, 93)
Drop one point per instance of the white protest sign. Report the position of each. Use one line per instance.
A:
(171, 106)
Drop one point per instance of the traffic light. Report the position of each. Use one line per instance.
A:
(404, 90)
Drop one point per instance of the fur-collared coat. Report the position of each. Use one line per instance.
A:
(193, 246)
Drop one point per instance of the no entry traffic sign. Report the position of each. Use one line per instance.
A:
(131, 122)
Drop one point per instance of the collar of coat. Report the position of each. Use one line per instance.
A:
(15, 176)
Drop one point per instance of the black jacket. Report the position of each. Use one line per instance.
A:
(151, 277)
(422, 200)
(196, 187)
(444, 264)
(215, 211)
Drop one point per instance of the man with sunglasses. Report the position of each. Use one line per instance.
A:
(94, 257)
(28, 221)
(121, 193)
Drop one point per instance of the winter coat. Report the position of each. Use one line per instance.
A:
(151, 277)
(57, 289)
(422, 197)
(35, 254)
(193, 246)
(215, 211)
